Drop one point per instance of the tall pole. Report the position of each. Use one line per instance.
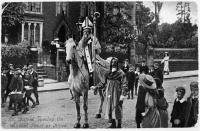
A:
(96, 16)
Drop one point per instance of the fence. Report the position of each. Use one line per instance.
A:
(180, 59)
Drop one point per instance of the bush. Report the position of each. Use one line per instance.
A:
(15, 54)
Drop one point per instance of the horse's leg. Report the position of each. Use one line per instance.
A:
(77, 101)
(85, 108)
(98, 115)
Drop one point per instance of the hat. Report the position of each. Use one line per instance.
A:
(56, 39)
(18, 72)
(180, 89)
(147, 81)
(126, 60)
(87, 24)
(10, 65)
(194, 85)
(143, 60)
(166, 52)
(156, 64)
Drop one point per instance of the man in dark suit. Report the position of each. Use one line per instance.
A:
(140, 104)
(157, 72)
(144, 68)
(35, 83)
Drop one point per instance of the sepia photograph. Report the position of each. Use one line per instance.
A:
(99, 64)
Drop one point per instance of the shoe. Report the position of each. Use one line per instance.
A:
(25, 110)
(119, 124)
(15, 114)
(37, 103)
(77, 125)
(72, 98)
(113, 124)
(33, 105)
(98, 116)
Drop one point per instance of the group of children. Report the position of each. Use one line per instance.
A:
(19, 84)
(133, 75)
(185, 112)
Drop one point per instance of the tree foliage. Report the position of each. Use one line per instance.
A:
(12, 16)
(117, 26)
(12, 13)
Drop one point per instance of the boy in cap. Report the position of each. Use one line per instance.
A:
(179, 108)
(192, 111)
(16, 94)
(4, 83)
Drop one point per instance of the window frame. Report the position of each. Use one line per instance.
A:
(29, 5)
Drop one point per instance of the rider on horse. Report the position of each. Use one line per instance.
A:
(89, 49)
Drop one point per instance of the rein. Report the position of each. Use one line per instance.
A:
(76, 65)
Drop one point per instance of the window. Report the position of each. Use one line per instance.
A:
(87, 9)
(33, 7)
(61, 7)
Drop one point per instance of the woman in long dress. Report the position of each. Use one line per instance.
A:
(165, 60)
(151, 116)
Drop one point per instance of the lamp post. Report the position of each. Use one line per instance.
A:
(79, 27)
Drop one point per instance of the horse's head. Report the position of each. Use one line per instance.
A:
(70, 47)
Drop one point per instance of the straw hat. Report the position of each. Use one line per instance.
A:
(147, 81)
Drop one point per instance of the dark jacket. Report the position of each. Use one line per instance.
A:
(35, 79)
(4, 82)
(131, 77)
(9, 78)
(28, 80)
(140, 105)
(13, 83)
(191, 116)
(144, 69)
(158, 74)
(178, 112)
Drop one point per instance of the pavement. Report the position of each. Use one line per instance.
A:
(54, 85)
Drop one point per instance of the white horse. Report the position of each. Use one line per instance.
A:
(79, 79)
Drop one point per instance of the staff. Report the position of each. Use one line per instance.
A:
(96, 15)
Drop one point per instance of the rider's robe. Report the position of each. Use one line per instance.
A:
(116, 85)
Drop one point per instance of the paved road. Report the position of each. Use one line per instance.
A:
(57, 111)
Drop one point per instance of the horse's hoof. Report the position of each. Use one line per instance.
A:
(86, 125)
(98, 116)
(77, 125)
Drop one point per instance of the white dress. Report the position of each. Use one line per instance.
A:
(166, 63)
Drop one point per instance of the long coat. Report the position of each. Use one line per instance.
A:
(116, 85)
(188, 109)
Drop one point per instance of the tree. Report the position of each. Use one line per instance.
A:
(12, 16)
(183, 9)
(117, 25)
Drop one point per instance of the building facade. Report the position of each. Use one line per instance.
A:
(43, 21)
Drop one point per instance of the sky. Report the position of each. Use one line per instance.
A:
(168, 11)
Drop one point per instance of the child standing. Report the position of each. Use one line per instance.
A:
(179, 108)
(131, 81)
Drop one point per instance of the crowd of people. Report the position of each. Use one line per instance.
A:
(19, 84)
(151, 105)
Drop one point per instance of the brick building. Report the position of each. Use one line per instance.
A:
(45, 20)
